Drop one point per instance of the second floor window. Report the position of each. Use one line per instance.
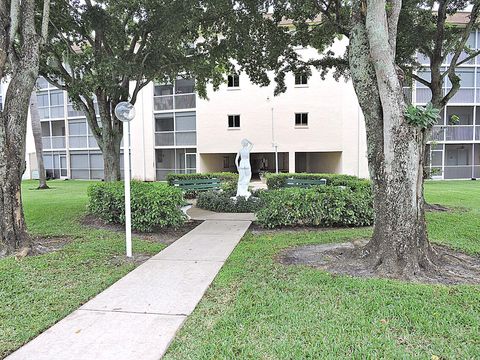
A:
(233, 121)
(301, 119)
(233, 81)
(301, 79)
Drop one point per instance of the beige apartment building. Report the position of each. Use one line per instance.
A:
(315, 126)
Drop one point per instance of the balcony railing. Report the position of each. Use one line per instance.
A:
(163, 103)
(185, 101)
(82, 142)
(176, 138)
(53, 142)
(456, 133)
(180, 101)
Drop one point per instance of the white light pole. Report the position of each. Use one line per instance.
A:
(274, 145)
(125, 112)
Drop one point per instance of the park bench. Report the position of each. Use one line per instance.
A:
(304, 183)
(197, 184)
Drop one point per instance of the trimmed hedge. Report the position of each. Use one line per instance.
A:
(223, 176)
(153, 204)
(324, 206)
(228, 181)
(221, 201)
(278, 181)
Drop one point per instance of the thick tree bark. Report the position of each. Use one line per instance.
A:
(111, 137)
(399, 246)
(13, 123)
(37, 137)
(111, 156)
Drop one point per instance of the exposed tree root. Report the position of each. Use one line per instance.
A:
(436, 208)
(440, 266)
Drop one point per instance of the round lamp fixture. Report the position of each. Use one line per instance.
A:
(125, 111)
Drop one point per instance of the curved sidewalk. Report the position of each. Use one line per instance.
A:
(139, 315)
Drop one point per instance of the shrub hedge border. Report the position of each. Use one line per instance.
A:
(153, 204)
(278, 181)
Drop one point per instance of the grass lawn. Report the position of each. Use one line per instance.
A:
(38, 291)
(260, 309)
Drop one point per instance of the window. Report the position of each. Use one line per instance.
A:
(185, 121)
(164, 122)
(56, 98)
(184, 86)
(233, 81)
(301, 119)
(233, 121)
(162, 90)
(301, 79)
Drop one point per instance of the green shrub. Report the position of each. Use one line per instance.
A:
(324, 206)
(228, 181)
(221, 201)
(223, 176)
(153, 204)
(278, 181)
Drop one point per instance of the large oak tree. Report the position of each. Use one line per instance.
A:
(21, 37)
(97, 49)
(396, 133)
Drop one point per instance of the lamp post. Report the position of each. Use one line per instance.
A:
(125, 112)
(274, 144)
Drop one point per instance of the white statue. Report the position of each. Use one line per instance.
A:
(244, 169)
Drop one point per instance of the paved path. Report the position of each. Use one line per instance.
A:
(195, 213)
(137, 317)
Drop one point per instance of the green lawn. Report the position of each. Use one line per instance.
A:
(38, 291)
(256, 308)
(260, 309)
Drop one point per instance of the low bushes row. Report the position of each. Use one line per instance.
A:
(154, 205)
(223, 202)
(278, 181)
(325, 206)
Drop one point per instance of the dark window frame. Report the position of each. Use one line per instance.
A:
(233, 81)
(301, 79)
(234, 121)
(301, 119)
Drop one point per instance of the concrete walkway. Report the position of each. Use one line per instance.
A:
(138, 316)
(195, 213)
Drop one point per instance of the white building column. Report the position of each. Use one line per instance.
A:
(142, 135)
(291, 161)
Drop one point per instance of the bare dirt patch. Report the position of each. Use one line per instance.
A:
(165, 236)
(44, 245)
(452, 268)
(136, 259)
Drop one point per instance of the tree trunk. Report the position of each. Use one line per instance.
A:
(110, 138)
(13, 125)
(13, 232)
(111, 156)
(37, 136)
(399, 246)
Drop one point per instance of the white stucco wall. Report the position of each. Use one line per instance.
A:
(335, 122)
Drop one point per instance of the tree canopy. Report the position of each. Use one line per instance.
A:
(97, 49)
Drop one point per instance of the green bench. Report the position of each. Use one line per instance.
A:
(304, 183)
(197, 184)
